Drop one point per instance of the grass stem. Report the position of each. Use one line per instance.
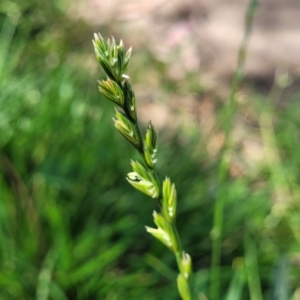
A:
(230, 108)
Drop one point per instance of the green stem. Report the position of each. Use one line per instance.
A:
(230, 108)
(252, 268)
(179, 252)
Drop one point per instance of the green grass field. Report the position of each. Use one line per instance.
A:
(70, 225)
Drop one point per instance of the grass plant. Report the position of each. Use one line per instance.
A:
(114, 60)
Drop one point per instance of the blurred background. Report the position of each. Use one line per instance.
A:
(70, 225)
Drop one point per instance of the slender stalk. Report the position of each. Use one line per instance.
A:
(251, 265)
(114, 60)
(230, 108)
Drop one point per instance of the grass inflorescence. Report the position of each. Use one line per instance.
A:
(114, 60)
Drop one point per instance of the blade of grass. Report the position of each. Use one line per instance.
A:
(159, 266)
(237, 283)
(45, 277)
(216, 233)
(281, 283)
(252, 272)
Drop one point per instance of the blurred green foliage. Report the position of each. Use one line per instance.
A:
(70, 225)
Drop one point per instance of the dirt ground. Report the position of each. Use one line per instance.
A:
(201, 38)
(206, 32)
